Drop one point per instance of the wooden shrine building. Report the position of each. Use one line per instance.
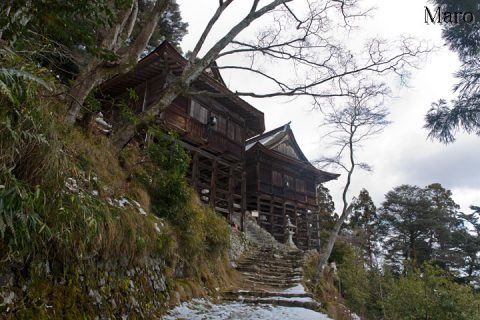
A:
(281, 184)
(213, 129)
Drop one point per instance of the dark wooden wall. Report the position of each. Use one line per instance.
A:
(268, 194)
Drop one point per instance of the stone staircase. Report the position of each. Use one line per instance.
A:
(267, 267)
(271, 273)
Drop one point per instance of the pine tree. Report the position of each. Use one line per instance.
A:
(418, 225)
(170, 27)
(443, 120)
(326, 212)
(363, 224)
(469, 243)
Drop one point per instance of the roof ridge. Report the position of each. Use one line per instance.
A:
(284, 127)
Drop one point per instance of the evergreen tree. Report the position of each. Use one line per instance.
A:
(170, 27)
(442, 119)
(419, 224)
(65, 35)
(326, 212)
(363, 224)
(469, 244)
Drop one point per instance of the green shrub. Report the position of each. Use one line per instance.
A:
(431, 294)
(166, 180)
(201, 231)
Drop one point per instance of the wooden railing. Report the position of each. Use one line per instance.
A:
(308, 197)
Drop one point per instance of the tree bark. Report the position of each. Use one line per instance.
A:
(126, 130)
(83, 84)
(114, 39)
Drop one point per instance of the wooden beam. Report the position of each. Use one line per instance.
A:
(204, 153)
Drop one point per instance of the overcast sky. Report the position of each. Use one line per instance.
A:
(402, 154)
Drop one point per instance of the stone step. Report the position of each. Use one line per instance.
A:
(271, 276)
(272, 283)
(270, 266)
(272, 272)
(312, 305)
(262, 266)
(267, 262)
(272, 257)
(296, 254)
(280, 254)
(274, 280)
(266, 294)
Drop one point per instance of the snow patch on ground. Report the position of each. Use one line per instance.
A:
(301, 299)
(298, 289)
(200, 309)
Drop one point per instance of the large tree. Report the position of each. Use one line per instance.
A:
(468, 241)
(302, 35)
(326, 213)
(444, 119)
(85, 42)
(363, 226)
(418, 225)
(305, 35)
(349, 127)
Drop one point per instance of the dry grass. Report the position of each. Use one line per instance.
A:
(327, 292)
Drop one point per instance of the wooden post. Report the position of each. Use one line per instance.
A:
(284, 214)
(213, 183)
(307, 222)
(195, 171)
(230, 192)
(244, 199)
(297, 234)
(271, 218)
(258, 176)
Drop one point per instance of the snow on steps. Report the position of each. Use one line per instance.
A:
(272, 288)
(271, 267)
(200, 309)
(297, 299)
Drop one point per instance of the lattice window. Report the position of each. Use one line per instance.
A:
(198, 112)
(277, 178)
(300, 185)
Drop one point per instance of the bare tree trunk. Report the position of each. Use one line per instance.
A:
(126, 130)
(347, 209)
(116, 39)
(83, 84)
(193, 70)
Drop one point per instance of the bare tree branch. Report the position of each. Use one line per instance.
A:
(363, 117)
(208, 28)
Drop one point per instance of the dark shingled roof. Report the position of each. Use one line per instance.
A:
(268, 141)
(165, 57)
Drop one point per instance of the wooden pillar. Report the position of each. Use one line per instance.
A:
(307, 222)
(296, 223)
(258, 177)
(213, 183)
(230, 192)
(195, 171)
(317, 222)
(271, 217)
(284, 214)
(244, 199)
